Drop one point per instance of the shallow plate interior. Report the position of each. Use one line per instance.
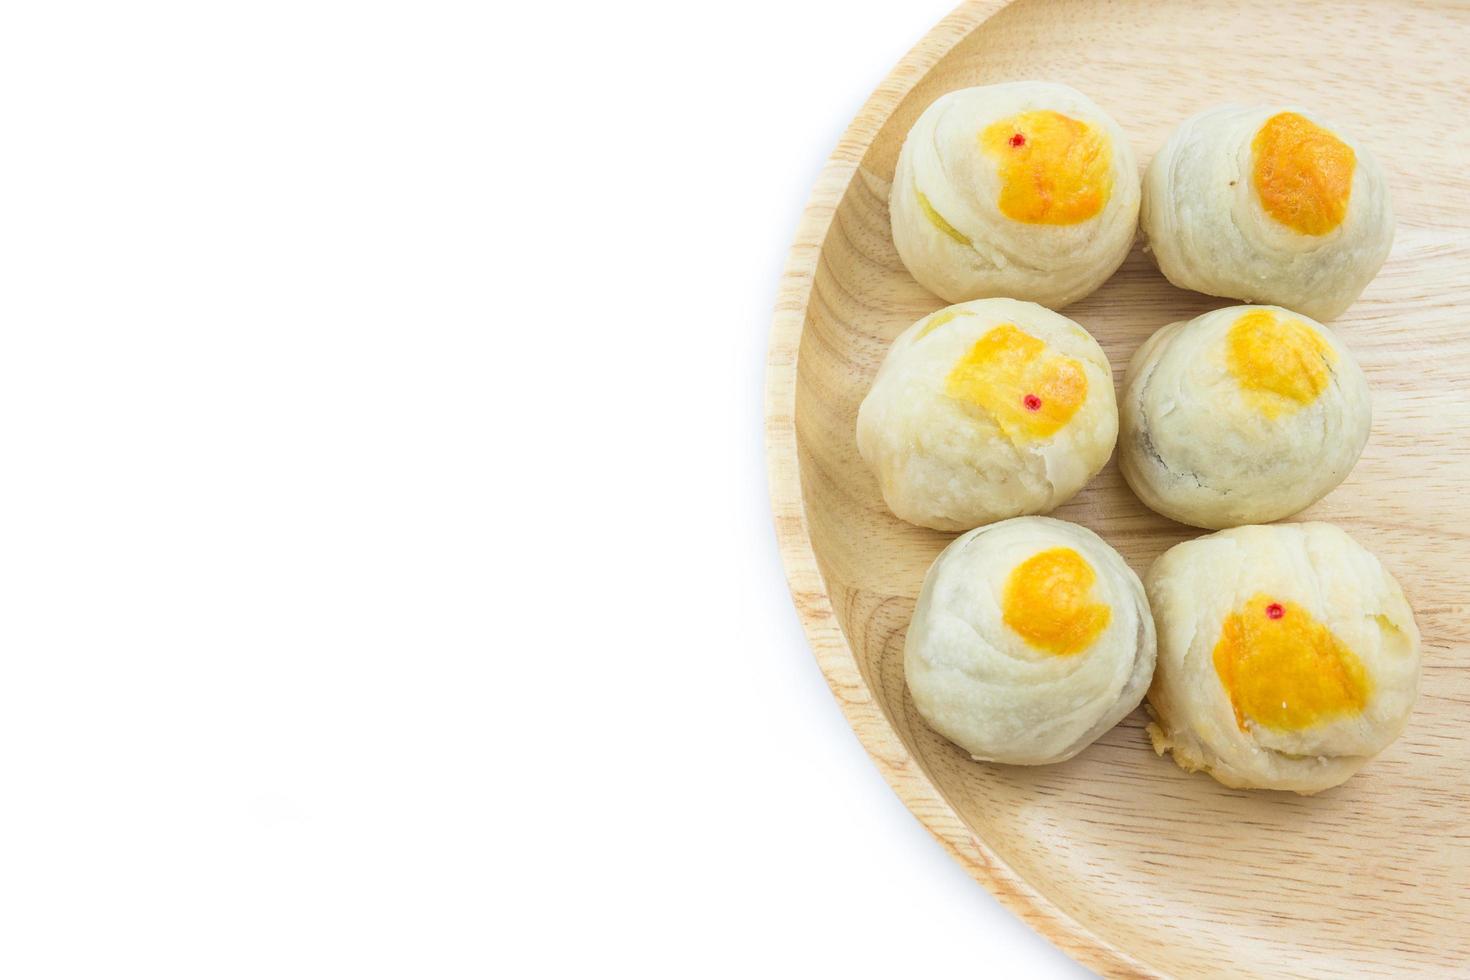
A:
(1128, 863)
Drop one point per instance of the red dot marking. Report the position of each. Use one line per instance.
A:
(1018, 140)
(1032, 403)
(1274, 611)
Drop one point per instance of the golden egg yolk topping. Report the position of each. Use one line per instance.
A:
(1284, 670)
(1281, 364)
(1027, 391)
(1303, 174)
(1048, 600)
(1054, 170)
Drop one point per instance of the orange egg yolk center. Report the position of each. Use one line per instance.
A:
(1281, 364)
(1010, 375)
(1302, 173)
(1054, 170)
(1048, 600)
(1284, 670)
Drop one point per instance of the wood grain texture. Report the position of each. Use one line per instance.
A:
(1122, 860)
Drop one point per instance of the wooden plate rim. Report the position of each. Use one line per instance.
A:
(809, 590)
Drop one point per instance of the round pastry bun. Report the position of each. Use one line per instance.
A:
(1030, 639)
(1267, 204)
(1024, 189)
(987, 410)
(1241, 416)
(1288, 656)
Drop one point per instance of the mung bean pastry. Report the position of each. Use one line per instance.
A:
(1269, 205)
(1024, 189)
(1030, 639)
(1241, 416)
(1288, 656)
(987, 410)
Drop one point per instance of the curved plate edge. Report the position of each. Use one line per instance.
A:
(804, 578)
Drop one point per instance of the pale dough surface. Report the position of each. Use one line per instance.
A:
(1046, 263)
(1208, 231)
(980, 684)
(944, 463)
(1196, 445)
(1192, 589)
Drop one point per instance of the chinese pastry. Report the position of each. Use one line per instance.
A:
(1267, 205)
(1241, 416)
(987, 410)
(1288, 656)
(1030, 639)
(1025, 189)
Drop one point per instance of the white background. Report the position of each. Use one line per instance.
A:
(386, 579)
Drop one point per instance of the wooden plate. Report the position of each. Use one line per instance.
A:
(1128, 864)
